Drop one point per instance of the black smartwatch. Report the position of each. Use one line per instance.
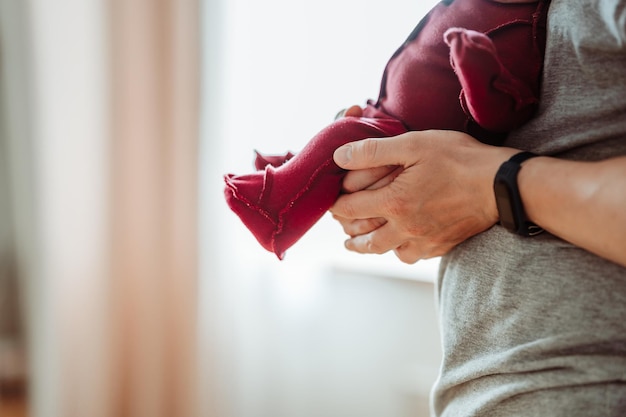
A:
(508, 200)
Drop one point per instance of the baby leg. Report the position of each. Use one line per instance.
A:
(495, 98)
(280, 204)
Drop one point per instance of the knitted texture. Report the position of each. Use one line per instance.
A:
(469, 65)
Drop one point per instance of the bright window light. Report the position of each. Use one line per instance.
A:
(283, 69)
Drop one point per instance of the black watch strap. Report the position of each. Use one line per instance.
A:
(508, 200)
(518, 158)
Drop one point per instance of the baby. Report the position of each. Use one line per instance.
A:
(469, 65)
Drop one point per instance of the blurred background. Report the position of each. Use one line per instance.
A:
(127, 287)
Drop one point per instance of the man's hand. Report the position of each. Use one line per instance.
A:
(365, 179)
(438, 192)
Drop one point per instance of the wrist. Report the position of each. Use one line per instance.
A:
(531, 183)
(498, 156)
(511, 211)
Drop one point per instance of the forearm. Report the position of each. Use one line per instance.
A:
(444, 195)
(581, 202)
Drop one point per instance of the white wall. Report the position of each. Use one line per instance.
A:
(99, 129)
(275, 73)
(54, 65)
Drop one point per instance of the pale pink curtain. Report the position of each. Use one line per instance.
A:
(154, 107)
(100, 100)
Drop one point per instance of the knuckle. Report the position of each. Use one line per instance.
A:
(408, 254)
(397, 206)
(364, 226)
(360, 228)
(343, 211)
(349, 211)
(394, 206)
(373, 247)
(357, 228)
(369, 149)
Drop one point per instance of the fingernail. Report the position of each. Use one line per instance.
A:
(343, 154)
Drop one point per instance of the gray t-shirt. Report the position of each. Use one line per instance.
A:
(536, 326)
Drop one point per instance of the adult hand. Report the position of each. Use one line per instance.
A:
(441, 194)
(364, 179)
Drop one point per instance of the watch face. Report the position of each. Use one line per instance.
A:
(503, 202)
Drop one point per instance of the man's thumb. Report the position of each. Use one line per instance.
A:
(367, 153)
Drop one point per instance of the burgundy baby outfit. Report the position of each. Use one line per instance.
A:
(469, 65)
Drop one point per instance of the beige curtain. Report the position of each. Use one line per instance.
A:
(155, 91)
(100, 104)
(154, 186)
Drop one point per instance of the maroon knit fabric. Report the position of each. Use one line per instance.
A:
(470, 65)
